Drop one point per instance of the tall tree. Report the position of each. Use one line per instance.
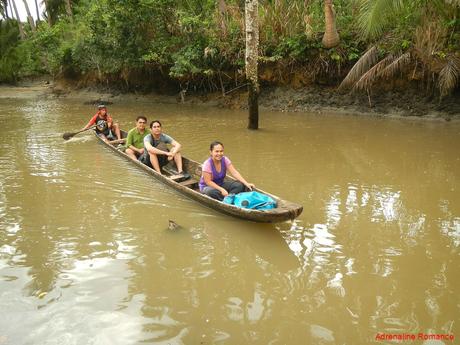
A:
(21, 30)
(29, 16)
(48, 12)
(68, 8)
(4, 8)
(222, 7)
(251, 56)
(38, 12)
(331, 36)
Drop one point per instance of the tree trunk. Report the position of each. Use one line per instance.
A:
(21, 30)
(11, 8)
(331, 36)
(5, 8)
(222, 17)
(29, 16)
(38, 12)
(48, 13)
(252, 53)
(68, 8)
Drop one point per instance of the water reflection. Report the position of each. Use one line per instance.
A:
(204, 306)
(81, 230)
(369, 237)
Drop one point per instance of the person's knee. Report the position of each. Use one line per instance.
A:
(213, 193)
(131, 153)
(237, 187)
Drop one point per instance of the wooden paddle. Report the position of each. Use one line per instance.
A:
(68, 135)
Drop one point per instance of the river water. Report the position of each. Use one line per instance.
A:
(86, 256)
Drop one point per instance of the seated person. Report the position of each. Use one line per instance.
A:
(214, 171)
(135, 139)
(104, 124)
(156, 153)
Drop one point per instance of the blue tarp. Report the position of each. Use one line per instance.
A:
(251, 200)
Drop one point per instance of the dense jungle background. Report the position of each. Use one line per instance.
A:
(380, 50)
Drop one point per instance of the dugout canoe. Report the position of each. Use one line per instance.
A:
(285, 210)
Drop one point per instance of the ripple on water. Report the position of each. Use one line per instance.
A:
(384, 265)
(315, 243)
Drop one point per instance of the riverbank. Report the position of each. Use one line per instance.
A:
(407, 103)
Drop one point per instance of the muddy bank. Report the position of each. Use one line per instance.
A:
(404, 103)
(408, 103)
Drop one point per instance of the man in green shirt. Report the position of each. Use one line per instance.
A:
(135, 139)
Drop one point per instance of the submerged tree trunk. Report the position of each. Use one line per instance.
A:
(29, 16)
(21, 30)
(252, 53)
(48, 13)
(331, 36)
(68, 9)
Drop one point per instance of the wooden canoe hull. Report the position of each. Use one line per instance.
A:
(285, 210)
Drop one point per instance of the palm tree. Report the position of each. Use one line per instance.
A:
(4, 9)
(331, 36)
(222, 16)
(29, 16)
(21, 30)
(68, 9)
(376, 15)
(48, 12)
(38, 12)
(430, 37)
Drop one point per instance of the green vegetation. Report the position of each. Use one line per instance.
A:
(199, 44)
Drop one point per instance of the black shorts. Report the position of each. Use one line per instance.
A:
(145, 158)
(108, 134)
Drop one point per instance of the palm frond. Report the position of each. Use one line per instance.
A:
(364, 63)
(368, 78)
(449, 76)
(396, 65)
(375, 15)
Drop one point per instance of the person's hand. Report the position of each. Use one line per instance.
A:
(250, 186)
(223, 192)
(140, 151)
(170, 155)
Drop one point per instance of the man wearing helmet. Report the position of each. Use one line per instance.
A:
(105, 127)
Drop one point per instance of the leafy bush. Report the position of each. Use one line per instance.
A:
(194, 39)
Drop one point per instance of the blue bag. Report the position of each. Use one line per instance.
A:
(251, 200)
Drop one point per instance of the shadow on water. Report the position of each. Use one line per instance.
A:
(262, 241)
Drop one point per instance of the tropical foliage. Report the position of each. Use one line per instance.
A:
(199, 44)
(427, 52)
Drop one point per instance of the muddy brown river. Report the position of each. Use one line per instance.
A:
(86, 256)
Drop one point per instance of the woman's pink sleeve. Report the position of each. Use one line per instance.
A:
(207, 167)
